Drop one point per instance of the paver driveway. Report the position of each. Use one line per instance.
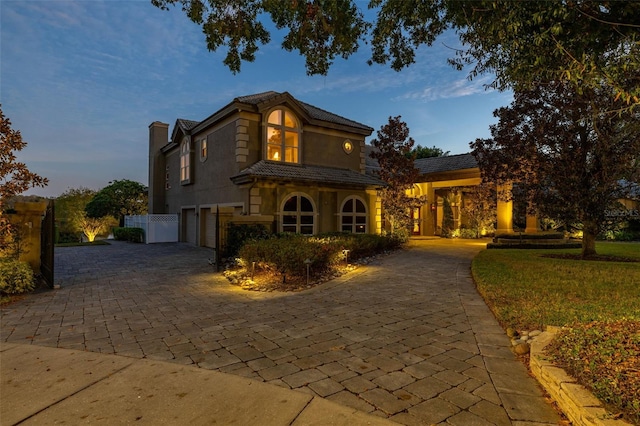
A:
(406, 337)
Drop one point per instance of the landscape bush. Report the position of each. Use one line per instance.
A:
(134, 235)
(15, 277)
(238, 235)
(287, 253)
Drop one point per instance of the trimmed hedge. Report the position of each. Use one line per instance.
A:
(16, 277)
(287, 253)
(134, 235)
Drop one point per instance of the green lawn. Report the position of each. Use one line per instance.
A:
(528, 291)
(598, 300)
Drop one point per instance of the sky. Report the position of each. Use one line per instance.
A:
(82, 81)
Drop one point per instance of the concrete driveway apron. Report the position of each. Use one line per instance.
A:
(406, 337)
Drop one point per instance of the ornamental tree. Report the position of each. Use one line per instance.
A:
(15, 178)
(566, 151)
(398, 171)
(586, 42)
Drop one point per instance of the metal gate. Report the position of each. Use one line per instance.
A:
(47, 237)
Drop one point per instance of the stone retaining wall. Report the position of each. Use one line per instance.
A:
(575, 401)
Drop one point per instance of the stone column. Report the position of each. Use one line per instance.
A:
(504, 211)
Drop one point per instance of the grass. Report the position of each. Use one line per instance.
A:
(527, 291)
(599, 302)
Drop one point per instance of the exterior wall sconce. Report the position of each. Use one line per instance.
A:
(433, 207)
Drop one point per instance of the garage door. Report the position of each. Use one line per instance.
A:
(189, 225)
(209, 231)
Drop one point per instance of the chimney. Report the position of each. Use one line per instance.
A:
(158, 137)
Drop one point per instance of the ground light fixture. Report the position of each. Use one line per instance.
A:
(307, 262)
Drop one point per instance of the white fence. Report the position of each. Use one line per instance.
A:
(158, 228)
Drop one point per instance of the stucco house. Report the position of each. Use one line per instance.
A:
(268, 159)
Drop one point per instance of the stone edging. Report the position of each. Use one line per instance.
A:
(575, 401)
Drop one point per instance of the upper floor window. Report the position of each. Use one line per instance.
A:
(283, 137)
(185, 162)
(298, 215)
(203, 149)
(353, 216)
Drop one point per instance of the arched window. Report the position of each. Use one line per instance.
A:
(298, 215)
(283, 137)
(185, 162)
(353, 216)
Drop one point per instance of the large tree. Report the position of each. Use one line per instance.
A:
(118, 199)
(566, 151)
(520, 42)
(398, 171)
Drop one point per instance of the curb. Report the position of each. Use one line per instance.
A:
(575, 401)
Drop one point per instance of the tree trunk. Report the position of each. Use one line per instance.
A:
(589, 234)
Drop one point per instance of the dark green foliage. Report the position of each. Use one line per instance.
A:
(447, 219)
(519, 43)
(426, 152)
(237, 235)
(287, 253)
(118, 199)
(134, 235)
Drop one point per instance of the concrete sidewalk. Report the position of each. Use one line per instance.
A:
(42, 385)
(407, 337)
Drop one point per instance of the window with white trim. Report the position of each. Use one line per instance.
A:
(283, 137)
(353, 216)
(185, 162)
(298, 215)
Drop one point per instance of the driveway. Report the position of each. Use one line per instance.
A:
(406, 337)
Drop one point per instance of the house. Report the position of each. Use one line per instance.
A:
(268, 159)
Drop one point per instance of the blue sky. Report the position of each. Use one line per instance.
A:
(82, 81)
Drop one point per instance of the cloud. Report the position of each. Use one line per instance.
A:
(447, 90)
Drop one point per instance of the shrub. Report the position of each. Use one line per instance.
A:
(134, 235)
(15, 277)
(287, 253)
(237, 235)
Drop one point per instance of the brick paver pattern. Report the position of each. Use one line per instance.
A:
(406, 337)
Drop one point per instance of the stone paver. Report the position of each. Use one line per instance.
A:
(406, 337)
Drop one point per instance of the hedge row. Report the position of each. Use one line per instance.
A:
(287, 253)
(134, 235)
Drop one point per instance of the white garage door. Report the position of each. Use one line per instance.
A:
(189, 225)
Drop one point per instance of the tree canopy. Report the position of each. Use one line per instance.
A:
(426, 152)
(585, 42)
(118, 199)
(566, 152)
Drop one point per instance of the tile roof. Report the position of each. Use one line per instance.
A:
(313, 111)
(305, 173)
(187, 124)
(447, 163)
